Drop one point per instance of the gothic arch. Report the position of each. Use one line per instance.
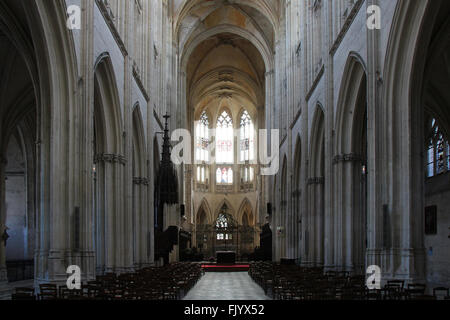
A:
(260, 45)
(206, 209)
(138, 142)
(224, 107)
(140, 184)
(350, 167)
(246, 208)
(317, 143)
(314, 237)
(263, 6)
(348, 115)
(47, 49)
(108, 118)
(415, 42)
(231, 210)
(109, 163)
(252, 31)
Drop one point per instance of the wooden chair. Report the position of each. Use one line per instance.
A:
(415, 289)
(393, 290)
(441, 293)
(48, 292)
(23, 294)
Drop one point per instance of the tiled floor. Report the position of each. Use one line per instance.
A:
(226, 286)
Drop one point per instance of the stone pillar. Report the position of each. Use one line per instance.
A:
(4, 288)
(319, 219)
(86, 153)
(329, 226)
(268, 180)
(140, 227)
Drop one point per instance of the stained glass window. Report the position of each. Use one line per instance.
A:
(438, 155)
(224, 139)
(247, 174)
(202, 173)
(247, 137)
(226, 236)
(224, 176)
(202, 138)
(222, 222)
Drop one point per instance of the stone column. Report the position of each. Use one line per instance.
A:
(319, 219)
(86, 154)
(140, 222)
(329, 136)
(3, 274)
(127, 263)
(309, 222)
(268, 180)
(377, 210)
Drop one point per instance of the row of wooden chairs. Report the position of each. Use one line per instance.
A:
(291, 282)
(171, 282)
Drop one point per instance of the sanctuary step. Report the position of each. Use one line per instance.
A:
(225, 267)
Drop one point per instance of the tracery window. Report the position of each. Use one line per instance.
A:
(222, 222)
(203, 139)
(224, 139)
(222, 225)
(202, 174)
(224, 175)
(247, 174)
(438, 154)
(247, 138)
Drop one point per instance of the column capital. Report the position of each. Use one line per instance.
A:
(349, 157)
(316, 180)
(110, 158)
(140, 181)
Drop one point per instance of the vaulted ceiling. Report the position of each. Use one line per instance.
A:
(226, 48)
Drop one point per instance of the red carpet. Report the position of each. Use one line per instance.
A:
(226, 268)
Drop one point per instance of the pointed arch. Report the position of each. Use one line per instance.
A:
(139, 191)
(225, 137)
(349, 113)
(314, 218)
(205, 209)
(139, 149)
(231, 210)
(107, 114)
(317, 143)
(46, 49)
(246, 212)
(410, 57)
(350, 164)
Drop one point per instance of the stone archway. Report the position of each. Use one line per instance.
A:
(314, 237)
(141, 224)
(350, 168)
(109, 161)
(46, 53)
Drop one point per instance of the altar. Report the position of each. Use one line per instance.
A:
(226, 257)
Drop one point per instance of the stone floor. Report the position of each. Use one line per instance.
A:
(226, 286)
